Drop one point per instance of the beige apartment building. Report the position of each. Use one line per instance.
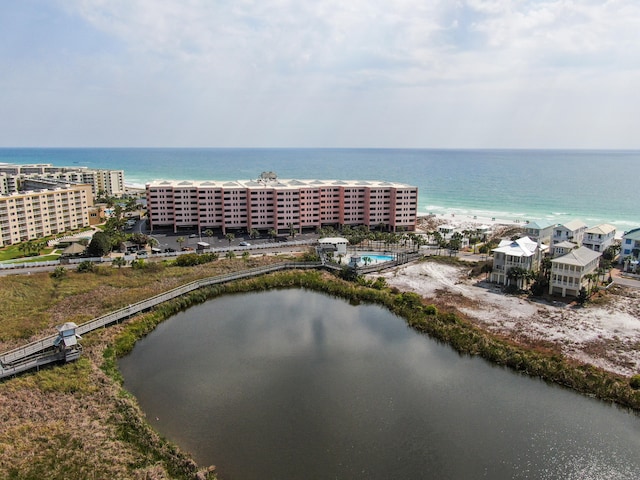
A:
(271, 203)
(110, 182)
(35, 214)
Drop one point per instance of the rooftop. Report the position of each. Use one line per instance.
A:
(602, 229)
(522, 247)
(580, 256)
(539, 225)
(566, 244)
(279, 184)
(633, 234)
(574, 225)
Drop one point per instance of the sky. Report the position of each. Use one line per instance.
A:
(320, 73)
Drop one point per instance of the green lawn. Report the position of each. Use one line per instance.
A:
(12, 253)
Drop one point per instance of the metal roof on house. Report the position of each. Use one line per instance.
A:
(602, 229)
(580, 256)
(540, 225)
(632, 234)
(522, 247)
(574, 225)
(566, 244)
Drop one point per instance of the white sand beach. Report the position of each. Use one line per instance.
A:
(606, 335)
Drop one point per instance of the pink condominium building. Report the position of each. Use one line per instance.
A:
(273, 203)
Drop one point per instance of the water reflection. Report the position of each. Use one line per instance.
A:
(294, 384)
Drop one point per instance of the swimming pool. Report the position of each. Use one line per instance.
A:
(375, 257)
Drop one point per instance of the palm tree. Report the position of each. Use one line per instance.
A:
(487, 268)
(209, 233)
(25, 248)
(119, 262)
(230, 237)
(292, 231)
(273, 233)
(180, 241)
(437, 236)
(366, 260)
(230, 255)
(516, 274)
(254, 233)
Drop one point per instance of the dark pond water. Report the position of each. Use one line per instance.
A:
(292, 384)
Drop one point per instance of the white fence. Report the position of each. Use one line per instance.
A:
(72, 261)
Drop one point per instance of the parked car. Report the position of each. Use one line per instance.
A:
(193, 235)
(245, 244)
(141, 253)
(169, 250)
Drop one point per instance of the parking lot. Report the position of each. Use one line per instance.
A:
(168, 240)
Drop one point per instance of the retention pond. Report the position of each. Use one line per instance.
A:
(293, 384)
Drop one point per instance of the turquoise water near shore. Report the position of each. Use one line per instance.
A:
(550, 185)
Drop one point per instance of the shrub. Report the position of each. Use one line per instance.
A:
(187, 260)
(138, 264)
(582, 296)
(511, 289)
(58, 273)
(431, 310)
(635, 382)
(86, 267)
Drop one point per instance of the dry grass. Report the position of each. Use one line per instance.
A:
(72, 421)
(32, 305)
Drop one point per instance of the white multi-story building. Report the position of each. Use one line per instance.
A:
(562, 248)
(630, 246)
(539, 231)
(600, 237)
(271, 203)
(109, 182)
(572, 231)
(35, 214)
(568, 272)
(523, 253)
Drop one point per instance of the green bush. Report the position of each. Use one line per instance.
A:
(431, 310)
(86, 267)
(635, 382)
(58, 273)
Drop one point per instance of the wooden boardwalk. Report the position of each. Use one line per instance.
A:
(42, 352)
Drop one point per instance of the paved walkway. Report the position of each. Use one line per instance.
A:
(625, 279)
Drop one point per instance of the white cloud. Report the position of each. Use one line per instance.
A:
(362, 72)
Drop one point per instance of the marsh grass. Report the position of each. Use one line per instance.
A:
(110, 437)
(32, 305)
(440, 322)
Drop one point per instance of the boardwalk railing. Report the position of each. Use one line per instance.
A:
(28, 352)
(33, 355)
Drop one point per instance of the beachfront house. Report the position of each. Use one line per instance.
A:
(630, 246)
(539, 231)
(562, 248)
(447, 231)
(569, 272)
(572, 231)
(523, 253)
(600, 237)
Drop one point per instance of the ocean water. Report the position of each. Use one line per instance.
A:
(550, 185)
